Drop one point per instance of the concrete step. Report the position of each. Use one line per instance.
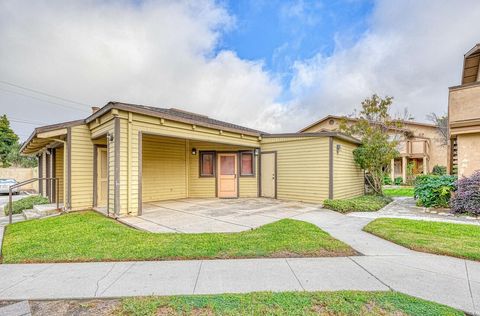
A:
(46, 209)
(31, 214)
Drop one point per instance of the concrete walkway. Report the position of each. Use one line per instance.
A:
(384, 266)
(405, 207)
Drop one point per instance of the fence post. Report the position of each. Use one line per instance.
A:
(56, 193)
(10, 206)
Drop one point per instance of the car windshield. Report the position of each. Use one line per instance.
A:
(7, 181)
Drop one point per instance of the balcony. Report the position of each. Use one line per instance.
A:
(417, 148)
(464, 108)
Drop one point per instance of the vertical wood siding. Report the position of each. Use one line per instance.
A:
(302, 167)
(59, 172)
(348, 178)
(82, 168)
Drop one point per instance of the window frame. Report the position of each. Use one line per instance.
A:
(241, 153)
(200, 164)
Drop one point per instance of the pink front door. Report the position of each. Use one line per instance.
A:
(227, 175)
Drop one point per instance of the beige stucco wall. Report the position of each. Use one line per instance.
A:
(302, 167)
(348, 178)
(468, 154)
(464, 104)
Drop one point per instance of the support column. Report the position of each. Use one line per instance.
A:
(392, 170)
(404, 169)
(425, 165)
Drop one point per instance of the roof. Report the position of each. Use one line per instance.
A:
(335, 134)
(471, 63)
(355, 119)
(47, 128)
(175, 115)
(167, 113)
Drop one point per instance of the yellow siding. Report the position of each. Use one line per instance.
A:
(204, 187)
(59, 172)
(82, 168)
(164, 169)
(302, 167)
(348, 178)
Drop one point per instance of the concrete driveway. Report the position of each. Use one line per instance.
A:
(214, 215)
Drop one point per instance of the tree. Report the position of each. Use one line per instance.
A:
(374, 126)
(441, 122)
(15, 159)
(8, 139)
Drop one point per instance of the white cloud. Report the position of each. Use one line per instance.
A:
(413, 50)
(157, 53)
(164, 53)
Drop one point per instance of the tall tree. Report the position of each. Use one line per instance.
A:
(8, 139)
(374, 126)
(16, 159)
(441, 122)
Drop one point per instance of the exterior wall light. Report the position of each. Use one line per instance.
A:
(110, 137)
(256, 151)
(338, 148)
(194, 151)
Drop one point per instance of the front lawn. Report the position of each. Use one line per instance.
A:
(287, 303)
(89, 236)
(365, 203)
(405, 191)
(456, 240)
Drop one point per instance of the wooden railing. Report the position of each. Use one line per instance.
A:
(414, 147)
(20, 184)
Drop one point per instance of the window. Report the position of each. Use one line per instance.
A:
(207, 164)
(247, 167)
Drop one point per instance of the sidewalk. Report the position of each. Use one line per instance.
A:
(384, 266)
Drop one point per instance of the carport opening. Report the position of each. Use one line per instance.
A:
(177, 168)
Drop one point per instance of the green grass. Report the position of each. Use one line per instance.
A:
(407, 191)
(89, 236)
(365, 203)
(456, 240)
(287, 303)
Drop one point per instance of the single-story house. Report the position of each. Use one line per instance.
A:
(124, 155)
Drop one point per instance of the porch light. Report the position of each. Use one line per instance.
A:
(338, 148)
(256, 151)
(194, 151)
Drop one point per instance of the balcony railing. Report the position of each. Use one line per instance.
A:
(414, 147)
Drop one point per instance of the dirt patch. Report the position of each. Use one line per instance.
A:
(372, 308)
(169, 311)
(75, 308)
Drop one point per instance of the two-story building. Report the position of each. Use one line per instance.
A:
(420, 144)
(464, 118)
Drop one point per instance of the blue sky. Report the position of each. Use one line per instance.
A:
(281, 32)
(268, 64)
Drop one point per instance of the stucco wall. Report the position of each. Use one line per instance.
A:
(468, 154)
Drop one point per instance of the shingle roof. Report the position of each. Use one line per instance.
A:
(174, 114)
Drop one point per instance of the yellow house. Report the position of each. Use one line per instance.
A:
(420, 144)
(124, 155)
(464, 117)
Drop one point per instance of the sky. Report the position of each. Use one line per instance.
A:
(272, 65)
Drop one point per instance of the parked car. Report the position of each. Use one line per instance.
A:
(5, 185)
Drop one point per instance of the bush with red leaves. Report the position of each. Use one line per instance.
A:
(467, 196)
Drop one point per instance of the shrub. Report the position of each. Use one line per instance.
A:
(387, 180)
(439, 170)
(434, 191)
(398, 180)
(25, 204)
(366, 203)
(467, 196)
